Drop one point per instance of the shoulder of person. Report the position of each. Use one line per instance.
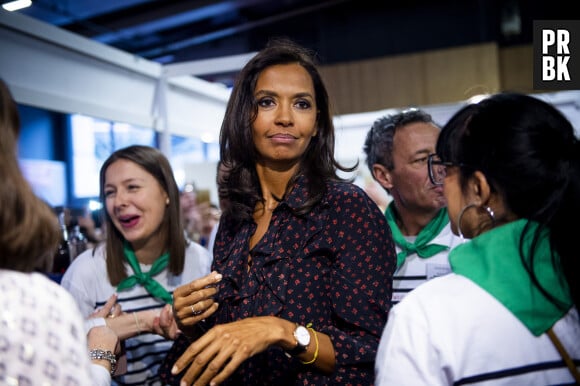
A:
(17, 285)
(41, 287)
(197, 258)
(34, 281)
(340, 192)
(344, 188)
(196, 250)
(86, 265)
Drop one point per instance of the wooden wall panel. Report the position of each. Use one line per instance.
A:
(457, 74)
(367, 73)
(336, 86)
(401, 81)
(516, 68)
(426, 78)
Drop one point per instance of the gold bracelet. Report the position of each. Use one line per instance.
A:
(315, 351)
(137, 323)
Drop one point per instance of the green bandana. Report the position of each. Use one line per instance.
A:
(146, 279)
(492, 260)
(421, 246)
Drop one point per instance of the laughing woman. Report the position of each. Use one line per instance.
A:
(145, 257)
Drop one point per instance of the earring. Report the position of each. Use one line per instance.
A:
(490, 213)
(461, 212)
(167, 201)
(487, 209)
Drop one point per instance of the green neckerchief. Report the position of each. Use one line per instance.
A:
(421, 245)
(146, 279)
(492, 260)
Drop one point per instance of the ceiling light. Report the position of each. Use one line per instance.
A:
(16, 5)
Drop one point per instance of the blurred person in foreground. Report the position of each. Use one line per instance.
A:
(145, 256)
(305, 259)
(397, 147)
(42, 333)
(508, 314)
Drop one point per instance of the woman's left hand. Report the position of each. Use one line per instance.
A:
(218, 353)
(194, 301)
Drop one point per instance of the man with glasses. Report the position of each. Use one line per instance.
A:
(398, 148)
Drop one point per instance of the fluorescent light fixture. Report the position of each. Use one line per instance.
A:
(16, 5)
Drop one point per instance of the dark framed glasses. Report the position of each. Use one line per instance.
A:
(437, 169)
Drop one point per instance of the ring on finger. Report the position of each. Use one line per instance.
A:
(194, 312)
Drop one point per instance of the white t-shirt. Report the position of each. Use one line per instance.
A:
(86, 279)
(42, 335)
(449, 330)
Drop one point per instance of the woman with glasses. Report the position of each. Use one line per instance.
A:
(508, 314)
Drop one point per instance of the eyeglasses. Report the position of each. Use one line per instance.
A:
(438, 169)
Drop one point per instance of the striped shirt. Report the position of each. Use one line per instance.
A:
(86, 279)
(416, 270)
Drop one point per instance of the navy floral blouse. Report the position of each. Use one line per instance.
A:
(332, 268)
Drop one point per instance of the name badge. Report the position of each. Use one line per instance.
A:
(434, 270)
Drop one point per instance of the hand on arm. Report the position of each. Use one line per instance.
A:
(127, 325)
(131, 324)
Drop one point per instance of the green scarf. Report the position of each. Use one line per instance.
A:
(421, 246)
(146, 279)
(492, 260)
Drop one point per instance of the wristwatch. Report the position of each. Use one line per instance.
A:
(302, 336)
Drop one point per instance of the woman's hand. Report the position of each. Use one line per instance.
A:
(164, 324)
(219, 352)
(194, 301)
(109, 310)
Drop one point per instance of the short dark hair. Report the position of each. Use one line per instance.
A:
(378, 145)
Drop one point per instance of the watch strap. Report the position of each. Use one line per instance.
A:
(299, 349)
